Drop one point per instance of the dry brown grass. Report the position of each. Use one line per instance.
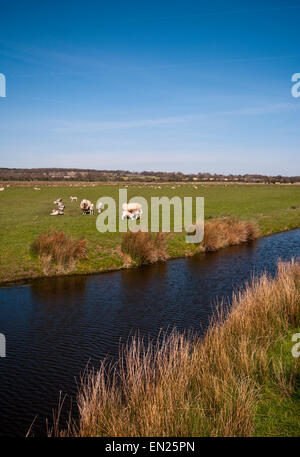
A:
(143, 247)
(183, 386)
(58, 248)
(222, 232)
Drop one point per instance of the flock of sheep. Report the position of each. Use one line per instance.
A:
(60, 208)
(129, 210)
(86, 206)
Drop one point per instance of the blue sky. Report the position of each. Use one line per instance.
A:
(185, 86)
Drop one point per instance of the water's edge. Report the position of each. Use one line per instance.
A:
(54, 327)
(27, 280)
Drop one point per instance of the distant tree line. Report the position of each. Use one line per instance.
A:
(73, 174)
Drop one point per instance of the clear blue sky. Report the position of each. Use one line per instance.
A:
(151, 85)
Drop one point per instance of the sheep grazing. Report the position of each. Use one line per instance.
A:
(131, 207)
(137, 214)
(99, 207)
(127, 215)
(73, 199)
(131, 215)
(60, 210)
(131, 211)
(85, 206)
(1, 189)
(37, 188)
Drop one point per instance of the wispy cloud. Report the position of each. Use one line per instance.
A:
(115, 125)
(60, 63)
(89, 127)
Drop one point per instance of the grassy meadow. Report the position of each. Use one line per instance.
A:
(25, 213)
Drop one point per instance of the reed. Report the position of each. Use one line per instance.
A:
(182, 385)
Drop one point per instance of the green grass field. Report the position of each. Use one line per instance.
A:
(24, 214)
(278, 410)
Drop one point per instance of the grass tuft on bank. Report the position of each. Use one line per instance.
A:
(216, 386)
(228, 231)
(144, 248)
(58, 248)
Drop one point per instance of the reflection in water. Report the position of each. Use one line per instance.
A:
(54, 327)
(147, 276)
(58, 304)
(57, 291)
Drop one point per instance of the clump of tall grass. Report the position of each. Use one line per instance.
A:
(143, 247)
(184, 386)
(59, 248)
(228, 231)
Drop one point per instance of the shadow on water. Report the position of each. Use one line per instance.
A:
(54, 327)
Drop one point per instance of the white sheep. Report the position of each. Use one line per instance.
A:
(85, 206)
(56, 212)
(100, 207)
(131, 211)
(127, 215)
(60, 210)
(131, 207)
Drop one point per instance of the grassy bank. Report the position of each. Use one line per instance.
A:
(240, 380)
(24, 214)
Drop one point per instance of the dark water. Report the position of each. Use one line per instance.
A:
(54, 326)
